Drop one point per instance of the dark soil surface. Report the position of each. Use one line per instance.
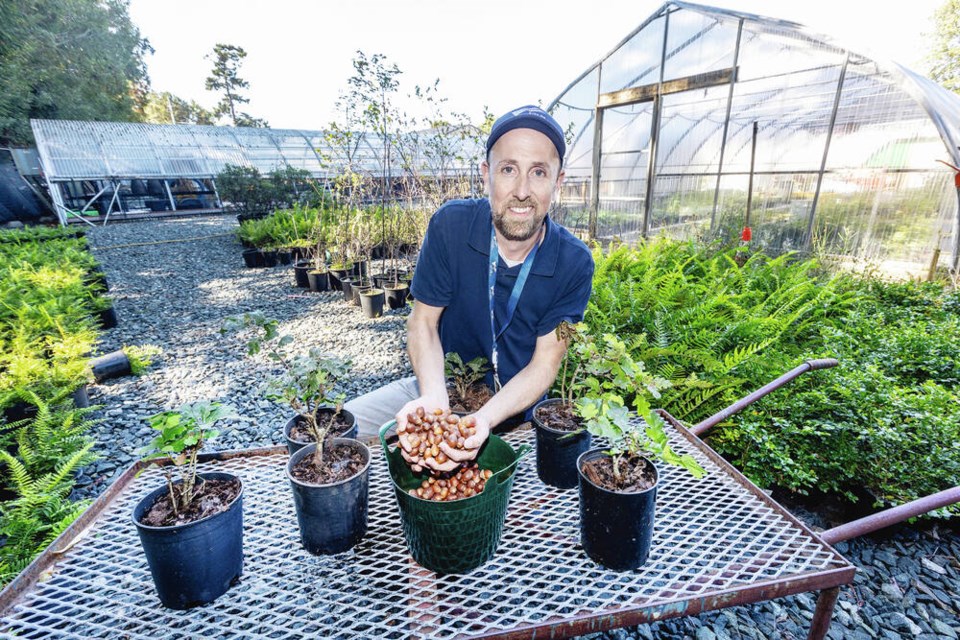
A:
(637, 474)
(339, 463)
(300, 433)
(209, 498)
(477, 395)
(559, 416)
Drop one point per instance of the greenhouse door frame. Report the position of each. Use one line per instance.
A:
(646, 93)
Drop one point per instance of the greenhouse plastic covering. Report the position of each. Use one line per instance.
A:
(75, 150)
(843, 162)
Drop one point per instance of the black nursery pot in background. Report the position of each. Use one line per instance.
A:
(396, 296)
(371, 301)
(300, 277)
(318, 281)
(195, 563)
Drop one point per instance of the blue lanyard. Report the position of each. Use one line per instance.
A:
(514, 296)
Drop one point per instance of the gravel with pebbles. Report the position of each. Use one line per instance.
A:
(175, 281)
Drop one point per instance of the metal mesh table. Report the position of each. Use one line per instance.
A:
(718, 542)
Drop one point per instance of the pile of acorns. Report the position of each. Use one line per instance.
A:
(425, 431)
(466, 483)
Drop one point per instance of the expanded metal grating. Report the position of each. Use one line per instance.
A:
(718, 541)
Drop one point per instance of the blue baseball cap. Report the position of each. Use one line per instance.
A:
(529, 117)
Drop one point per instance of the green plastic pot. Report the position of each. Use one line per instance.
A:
(459, 536)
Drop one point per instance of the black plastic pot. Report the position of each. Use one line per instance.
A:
(357, 287)
(332, 517)
(557, 451)
(107, 318)
(318, 281)
(284, 256)
(337, 276)
(253, 258)
(80, 398)
(195, 563)
(300, 278)
(295, 445)
(371, 301)
(360, 269)
(615, 528)
(396, 296)
(110, 365)
(346, 286)
(270, 258)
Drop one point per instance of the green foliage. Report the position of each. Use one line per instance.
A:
(306, 381)
(166, 108)
(48, 296)
(47, 451)
(944, 57)
(141, 357)
(67, 59)
(885, 420)
(610, 374)
(709, 327)
(464, 374)
(182, 435)
(225, 77)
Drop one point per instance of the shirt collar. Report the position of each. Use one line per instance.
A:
(545, 263)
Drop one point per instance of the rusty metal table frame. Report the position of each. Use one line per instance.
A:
(718, 542)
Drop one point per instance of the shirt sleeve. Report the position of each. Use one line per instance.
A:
(572, 302)
(432, 280)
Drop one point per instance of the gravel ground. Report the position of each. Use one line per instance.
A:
(174, 281)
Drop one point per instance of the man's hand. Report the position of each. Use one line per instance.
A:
(409, 453)
(471, 446)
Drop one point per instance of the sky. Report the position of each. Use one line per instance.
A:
(497, 54)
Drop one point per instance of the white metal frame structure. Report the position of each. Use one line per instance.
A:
(704, 120)
(88, 161)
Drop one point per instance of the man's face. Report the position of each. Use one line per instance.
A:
(521, 176)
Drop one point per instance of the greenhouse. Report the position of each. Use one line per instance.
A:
(120, 166)
(703, 121)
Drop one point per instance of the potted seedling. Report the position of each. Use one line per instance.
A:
(305, 383)
(465, 383)
(560, 434)
(191, 529)
(330, 476)
(618, 483)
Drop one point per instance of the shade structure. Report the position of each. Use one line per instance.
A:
(176, 164)
(704, 120)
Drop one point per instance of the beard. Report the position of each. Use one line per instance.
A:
(520, 229)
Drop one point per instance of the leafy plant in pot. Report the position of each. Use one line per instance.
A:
(465, 383)
(305, 383)
(191, 529)
(560, 434)
(329, 478)
(618, 483)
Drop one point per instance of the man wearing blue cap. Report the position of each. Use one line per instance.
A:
(495, 277)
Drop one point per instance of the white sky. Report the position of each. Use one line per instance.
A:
(494, 53)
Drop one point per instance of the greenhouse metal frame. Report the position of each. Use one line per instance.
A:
(104, 165)
(703, 121)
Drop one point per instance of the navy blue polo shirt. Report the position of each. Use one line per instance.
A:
(453, 270)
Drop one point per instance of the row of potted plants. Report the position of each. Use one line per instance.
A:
(328, 470)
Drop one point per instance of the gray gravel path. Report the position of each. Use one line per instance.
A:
(175, 290)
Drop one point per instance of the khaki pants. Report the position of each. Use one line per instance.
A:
(373, 410)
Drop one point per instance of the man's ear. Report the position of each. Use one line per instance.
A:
(485, 175)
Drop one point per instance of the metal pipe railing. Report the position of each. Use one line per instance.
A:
(891, 516)
(809, 365)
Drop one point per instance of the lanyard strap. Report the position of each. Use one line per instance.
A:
(511, 303)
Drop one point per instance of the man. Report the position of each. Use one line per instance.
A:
(497, 266)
